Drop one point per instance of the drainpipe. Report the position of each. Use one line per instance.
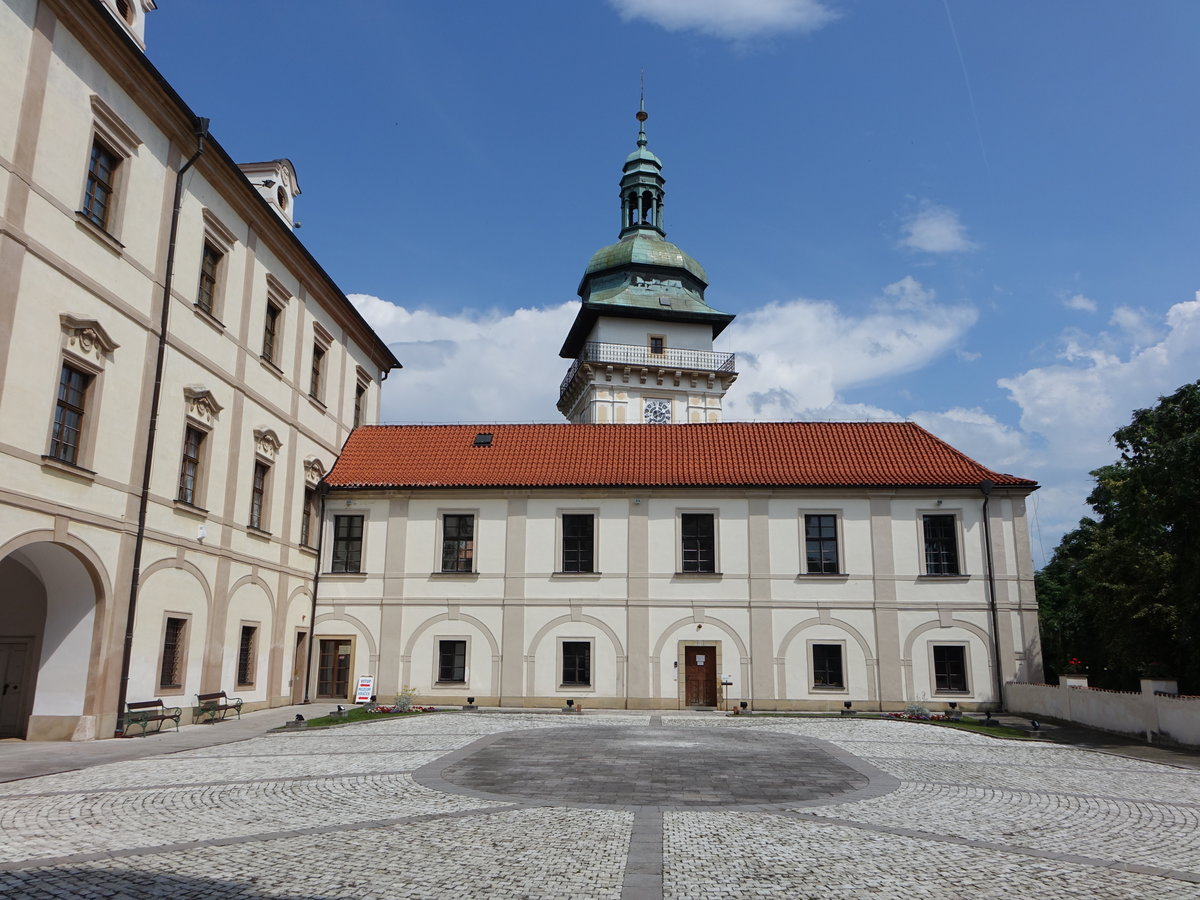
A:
(323, 488)
(144, 501)
(985, 488)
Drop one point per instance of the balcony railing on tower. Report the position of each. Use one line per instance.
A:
(602, 353)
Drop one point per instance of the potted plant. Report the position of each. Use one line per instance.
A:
(1075, 674)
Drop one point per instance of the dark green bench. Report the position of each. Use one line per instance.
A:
(215, 706)
(150, 712)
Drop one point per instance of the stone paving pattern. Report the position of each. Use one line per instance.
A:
(413, 808)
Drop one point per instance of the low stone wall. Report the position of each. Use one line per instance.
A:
(1148, 715)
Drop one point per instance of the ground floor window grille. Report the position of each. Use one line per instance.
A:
(171, 673)
(245, 669)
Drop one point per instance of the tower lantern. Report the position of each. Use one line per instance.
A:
(642, 341)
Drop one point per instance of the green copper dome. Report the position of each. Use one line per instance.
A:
(645, 248)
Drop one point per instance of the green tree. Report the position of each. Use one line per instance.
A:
(1122, 591)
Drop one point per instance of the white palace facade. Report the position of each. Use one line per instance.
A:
(648, 555)
(158, 499)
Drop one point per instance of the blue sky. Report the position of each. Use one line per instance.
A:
(981, 216)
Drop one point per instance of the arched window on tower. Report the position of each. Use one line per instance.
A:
(632, 206)
(647, 208)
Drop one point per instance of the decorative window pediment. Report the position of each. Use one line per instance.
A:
(114, 130)
(201, 404)
(215, 231)
(266, 443)
(314, 470)
(86, 338)
(277, 291)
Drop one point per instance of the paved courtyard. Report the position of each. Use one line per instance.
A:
(608, 806)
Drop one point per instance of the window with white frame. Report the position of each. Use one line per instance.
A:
(949, 668)
(347, 544)
(112, 145)
(214, 253)
(458, 542)
(578, 542)
(828, 668)
(698, 542)
(191, 465)
(940, 533)
(821, 544)
(576, 660)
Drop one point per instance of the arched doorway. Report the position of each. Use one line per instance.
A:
(48, 617)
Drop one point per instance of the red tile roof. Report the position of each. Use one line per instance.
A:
(729, 454)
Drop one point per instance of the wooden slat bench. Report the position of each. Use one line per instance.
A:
(215, 706)
(150, 712)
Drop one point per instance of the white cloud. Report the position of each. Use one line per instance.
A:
(474, 366)
(981, 436)
(800, 355)
(1077, 404)
(934, 229)
(795, 358)
(736, 19)
(1136, 326)
(1080, 302)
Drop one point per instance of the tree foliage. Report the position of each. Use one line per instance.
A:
(1122, 591)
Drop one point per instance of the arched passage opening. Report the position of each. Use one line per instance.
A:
(48, 619)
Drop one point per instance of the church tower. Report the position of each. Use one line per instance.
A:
(642, 342)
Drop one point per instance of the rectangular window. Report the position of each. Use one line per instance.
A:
(308, 515)
(360, 392)
(97, 197)
(452, 661)
(820, 544)
(941, 545)
(68, 414)
(827, 665)
(657, 344)
(578, 535)
(950, 668)
(189, 466)
(246, 660)
(258, 496)
(206, 296)
(317, 374)
(577, 663)
(333, 668)
(347, 544)
(174, 644)
(699, 542)
(458, 543)
(271, 333)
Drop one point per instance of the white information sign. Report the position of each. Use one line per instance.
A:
(699, 659)
(365, 689)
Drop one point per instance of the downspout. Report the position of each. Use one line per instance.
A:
(312, 616)
(144, 501)
(985, 487)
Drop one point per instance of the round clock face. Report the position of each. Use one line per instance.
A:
(657, 412)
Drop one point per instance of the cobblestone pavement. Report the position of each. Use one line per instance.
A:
(608, 806)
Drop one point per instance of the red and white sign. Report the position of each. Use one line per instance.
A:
(365, 689)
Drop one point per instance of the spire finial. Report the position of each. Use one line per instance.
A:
(642, 115)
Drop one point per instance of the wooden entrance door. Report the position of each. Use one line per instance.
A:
(333, 668)
(700, 676)
(14, 669)
(299, 666)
